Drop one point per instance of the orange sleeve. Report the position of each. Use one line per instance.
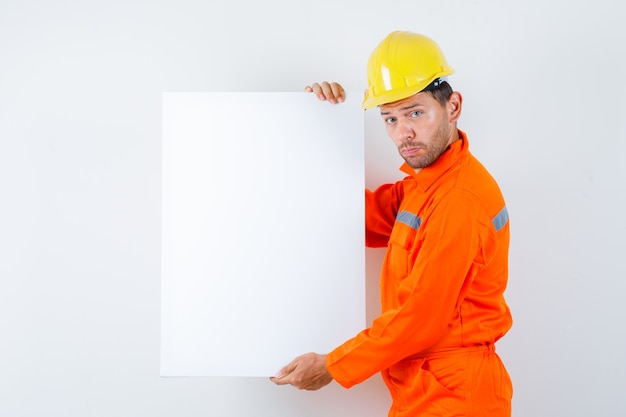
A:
(381, 207)
(450, 238)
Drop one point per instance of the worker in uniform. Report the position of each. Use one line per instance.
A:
(445, 227)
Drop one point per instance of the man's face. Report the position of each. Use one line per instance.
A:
(420, 127)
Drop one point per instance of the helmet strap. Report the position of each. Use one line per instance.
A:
(435, 84)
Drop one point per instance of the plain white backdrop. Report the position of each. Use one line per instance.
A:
(80, 181)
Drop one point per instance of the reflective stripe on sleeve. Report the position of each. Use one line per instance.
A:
(501, 218)
(410, 219)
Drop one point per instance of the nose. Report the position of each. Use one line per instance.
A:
(405, 131)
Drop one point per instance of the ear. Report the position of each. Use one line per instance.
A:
(454, 106)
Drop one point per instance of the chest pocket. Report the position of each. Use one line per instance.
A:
(402, 250)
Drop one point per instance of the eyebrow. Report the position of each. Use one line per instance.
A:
(384, 113)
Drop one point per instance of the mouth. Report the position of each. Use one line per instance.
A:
(411, 151)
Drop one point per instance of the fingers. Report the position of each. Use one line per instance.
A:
(332, 92)
(338, 92)
(284, 375)
(305, 372)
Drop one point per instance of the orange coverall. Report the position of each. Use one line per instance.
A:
(442, 282)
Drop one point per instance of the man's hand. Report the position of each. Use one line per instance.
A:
(333, 92)
(305, 372)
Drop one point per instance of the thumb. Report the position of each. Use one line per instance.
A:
(283, 373)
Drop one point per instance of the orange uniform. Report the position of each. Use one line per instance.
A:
(446, 230)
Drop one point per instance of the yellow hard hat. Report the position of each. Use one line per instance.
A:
(403, 64)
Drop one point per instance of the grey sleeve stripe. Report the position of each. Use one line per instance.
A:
(501, 218)
(409, 219)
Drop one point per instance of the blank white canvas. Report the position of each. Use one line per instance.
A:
(263, 254)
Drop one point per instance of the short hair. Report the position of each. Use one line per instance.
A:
(442, 92)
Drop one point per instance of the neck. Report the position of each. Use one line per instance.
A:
(454, 135)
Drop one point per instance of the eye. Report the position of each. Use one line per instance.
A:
(390, 120)
(416, 113)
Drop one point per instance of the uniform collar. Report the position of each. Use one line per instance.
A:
(427, 176)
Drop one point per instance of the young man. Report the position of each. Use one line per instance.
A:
(446, 230)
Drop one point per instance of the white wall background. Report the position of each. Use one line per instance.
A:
(80, 131)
